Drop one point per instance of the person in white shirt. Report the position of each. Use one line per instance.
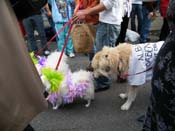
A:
(110, 18)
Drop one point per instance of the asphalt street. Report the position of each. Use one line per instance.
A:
(104, 114)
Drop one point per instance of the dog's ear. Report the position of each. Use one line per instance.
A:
(121, 65)
(96, 59)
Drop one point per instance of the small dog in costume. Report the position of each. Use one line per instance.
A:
(62, 85)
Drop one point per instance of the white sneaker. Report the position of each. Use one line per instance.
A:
(71, 55)
(46, 52)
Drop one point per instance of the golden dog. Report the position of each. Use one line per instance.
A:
(128, 60)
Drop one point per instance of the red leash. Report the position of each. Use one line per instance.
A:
(126, 75)
(62, 51)
(57, 33)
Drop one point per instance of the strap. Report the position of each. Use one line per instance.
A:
(126, 75)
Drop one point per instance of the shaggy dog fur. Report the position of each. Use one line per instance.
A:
(115, 61)
(76, 78)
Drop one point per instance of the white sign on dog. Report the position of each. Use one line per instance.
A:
(142, 58)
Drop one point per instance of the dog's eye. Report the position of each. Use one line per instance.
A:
(106, 56)
(107, 69)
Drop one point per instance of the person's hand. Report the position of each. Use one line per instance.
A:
(49, 13)
(80, 15)
(150, 15)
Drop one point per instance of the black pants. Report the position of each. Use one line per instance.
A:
(164, 30)
(124, 26)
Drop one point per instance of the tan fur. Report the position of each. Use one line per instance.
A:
(116, 58)
(115, 61)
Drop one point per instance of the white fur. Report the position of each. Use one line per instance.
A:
(81, 76)
(77, 77)
(52, 61)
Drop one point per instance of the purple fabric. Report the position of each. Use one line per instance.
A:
(53, 97)
(42, 61)
(75, 90)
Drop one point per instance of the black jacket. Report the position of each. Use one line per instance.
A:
(25, 8)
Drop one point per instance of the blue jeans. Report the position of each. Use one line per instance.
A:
(106, 35)
(145, 25)
(136, 11)
(30, 24)
(62, 37)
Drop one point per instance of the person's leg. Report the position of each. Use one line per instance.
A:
(133, 14)
(124, 26)
(52, 24)
(92, 53)
(60, 37)
(30, 33)
(101, 34)
(91, 56)
(139, 17)
(106, 35)
(69, 46)
(164, 30)
(39, 25)
(145, 25)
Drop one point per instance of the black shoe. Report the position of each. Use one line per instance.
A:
(29, 128)
(102, 83)
(46, 52)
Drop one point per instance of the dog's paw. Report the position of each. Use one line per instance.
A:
(87, 105)
(123, 95)
(55, 107)
(125, 106)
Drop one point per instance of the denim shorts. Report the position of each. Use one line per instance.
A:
(106, 35)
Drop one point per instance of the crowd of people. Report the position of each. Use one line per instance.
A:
(111, 19)
(98, 13)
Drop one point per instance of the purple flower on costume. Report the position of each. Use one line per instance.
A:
(53, 97)
(75, 90)
(81, 88)
(42, 61)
